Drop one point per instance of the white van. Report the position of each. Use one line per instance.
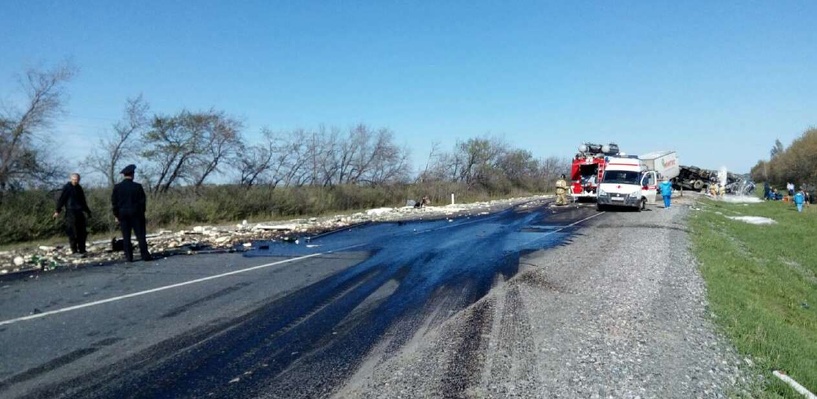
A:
(627, 183)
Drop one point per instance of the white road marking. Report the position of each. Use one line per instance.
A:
(167, 287)
(579, 221)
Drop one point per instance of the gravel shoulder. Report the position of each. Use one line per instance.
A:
(620, 312)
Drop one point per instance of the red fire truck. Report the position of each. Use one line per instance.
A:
(588, 168)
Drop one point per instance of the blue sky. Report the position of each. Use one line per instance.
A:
(716, 81)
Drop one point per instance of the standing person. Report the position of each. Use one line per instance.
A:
(129, 203)
(666, 192)
(790, 188)
(767, 191)
(73, 199)
(799, 200)
(561, 191)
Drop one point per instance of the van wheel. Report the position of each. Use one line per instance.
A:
(643, 205)
(600, 208)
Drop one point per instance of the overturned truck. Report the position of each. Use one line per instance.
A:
(695, 178)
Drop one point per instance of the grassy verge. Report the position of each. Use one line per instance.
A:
(762, 284)
(25, 217)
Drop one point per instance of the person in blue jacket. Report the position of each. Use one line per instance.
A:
(799, 200)
(666, 191)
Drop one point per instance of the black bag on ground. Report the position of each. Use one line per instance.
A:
(117, 244)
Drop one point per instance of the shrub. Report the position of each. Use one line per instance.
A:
(26, 215)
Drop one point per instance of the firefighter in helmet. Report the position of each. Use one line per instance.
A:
(561, 191)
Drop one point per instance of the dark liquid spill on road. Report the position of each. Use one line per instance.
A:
(308, 342)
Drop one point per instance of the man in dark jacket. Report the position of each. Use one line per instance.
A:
(72, 199)
(129, 202)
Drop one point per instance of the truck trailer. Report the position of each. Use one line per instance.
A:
(664, 163)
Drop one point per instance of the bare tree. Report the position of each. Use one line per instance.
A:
(350, 159)
(551, 168)
(189, 147)
(387, 163)
(220, 139)
(360, 151)
(115, 150)
(476, 159)
(519, 167)
(442, 167)
(23, 160)
(433, 160)
(255, 161)
(294, 155)
(361, 156)
(281, 158)
(328, 155)
(169, 146)
(325, 157)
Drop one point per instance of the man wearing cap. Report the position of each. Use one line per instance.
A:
(73, 200)
(129, 203)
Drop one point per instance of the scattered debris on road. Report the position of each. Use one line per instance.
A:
(234, 238)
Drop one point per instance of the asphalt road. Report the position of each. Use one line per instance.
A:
(293, 319)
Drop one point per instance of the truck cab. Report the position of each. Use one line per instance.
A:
(627, 183)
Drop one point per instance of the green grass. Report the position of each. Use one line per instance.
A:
(762, 285)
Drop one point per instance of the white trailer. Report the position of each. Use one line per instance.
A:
(665, 163)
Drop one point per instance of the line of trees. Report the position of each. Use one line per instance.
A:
(195, 148)
(796, 163)
(200, 168)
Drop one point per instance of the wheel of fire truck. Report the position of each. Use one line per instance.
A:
(697, 184)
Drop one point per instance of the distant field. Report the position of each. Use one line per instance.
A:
(762, 283)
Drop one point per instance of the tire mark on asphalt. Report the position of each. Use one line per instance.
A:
(515, 367)
(181, 309)
(462, 369)
(57, 362)
(537, 279)
(204, 348)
